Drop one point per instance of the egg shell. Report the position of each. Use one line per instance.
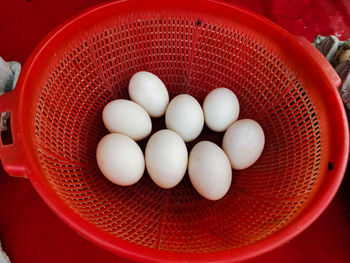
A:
(209, 170)
(184, 115)
(243, 143)
(149, 91)
(120, 159)
(166, 158)
(221, 109)
(127, 117)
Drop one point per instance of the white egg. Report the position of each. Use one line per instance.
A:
(127, 117)
(150, 92)
(166, 158)
(243, 143)
(221, 109)
(209, 170)
(184, 115)
(120, 159)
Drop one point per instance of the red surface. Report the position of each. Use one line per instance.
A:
(30, 232)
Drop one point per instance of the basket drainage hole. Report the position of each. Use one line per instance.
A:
(330, 166)
(5, 126)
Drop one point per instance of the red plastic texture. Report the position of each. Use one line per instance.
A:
(31, 233)
(306, 18)
(333, 77)
(64, 164)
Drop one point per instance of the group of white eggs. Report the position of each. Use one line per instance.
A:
(122, 161)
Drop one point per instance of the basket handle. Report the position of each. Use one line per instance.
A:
(12, 157)
(328, 71)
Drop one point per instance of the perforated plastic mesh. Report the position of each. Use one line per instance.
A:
(191, 57)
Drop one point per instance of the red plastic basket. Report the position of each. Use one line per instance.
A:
(193, 46)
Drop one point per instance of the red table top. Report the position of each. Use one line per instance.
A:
(31, 232)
